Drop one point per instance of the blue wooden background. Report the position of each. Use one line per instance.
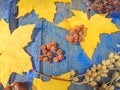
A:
(45, 32)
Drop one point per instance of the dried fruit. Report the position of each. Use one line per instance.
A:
(55, 59)
(117, 84)
(75, 79)
(73, 73)
(45, 59)
(93, 83)
(111, 55)
(103, 6)
(98, 78)
(40, 57)
(60, 57)
(111, 87)
(59, 51)
(115, 75)
(88, 72)
(75, 34)
(69, 38)
(104, 85)
(43, 47)
(96, 72)
(50, 53)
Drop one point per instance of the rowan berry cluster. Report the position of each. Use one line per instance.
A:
(103, 6)
(75, 34)
(50, 53)
(97, 72)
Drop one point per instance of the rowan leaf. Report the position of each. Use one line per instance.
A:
(44, 8)
(53, 84)
(13, 58)
(96, 26)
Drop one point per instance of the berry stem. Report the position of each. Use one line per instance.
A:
(61, 79)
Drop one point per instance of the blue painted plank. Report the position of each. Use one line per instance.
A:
(54, 33)
(75, 56)
(108, 43)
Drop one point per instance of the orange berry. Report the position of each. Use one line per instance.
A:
(77, 28)
(80, 39)
(55, 59)
(45, 59)
(72, 31)
(43, 47)
(75, 36)
(49, 54)
(81, 33)
(81, 27)
(60, 57)
(40, 57)
(53, 48)
(59, 51)
(75, 42)
(53, 44)
(69, 38)
(44, 51)
(48, 45)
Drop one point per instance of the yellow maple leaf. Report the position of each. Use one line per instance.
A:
(97, 25)
(53, 84)
(44, 8)
(13, 58)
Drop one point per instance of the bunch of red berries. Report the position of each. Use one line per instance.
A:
(50, 53)
(103, 6)
(75, 34)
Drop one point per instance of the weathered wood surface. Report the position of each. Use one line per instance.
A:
(45, 32)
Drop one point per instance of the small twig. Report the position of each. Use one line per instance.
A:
(118, 78)
(114, 69)
(61, 79)
(78, 76)
(83, 82)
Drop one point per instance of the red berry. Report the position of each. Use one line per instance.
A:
(77, 28)
(44, 51)
(53, 44)
(69, 38)
(75, 36)
(40, 57)
(43, 47)
(59, 51)
(81, 27)
(81, 33)
(80, 39)
(72, 31)
(45, 59)
(75, 42)
(60, 57)
(55, 59)
(53, 48)
(50, 54)
(48, 45)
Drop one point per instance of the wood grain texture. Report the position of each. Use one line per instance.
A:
(45, 32)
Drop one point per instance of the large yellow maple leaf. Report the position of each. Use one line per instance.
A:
(13, 58)
(96, 26)
(44, 8)
(53, 84)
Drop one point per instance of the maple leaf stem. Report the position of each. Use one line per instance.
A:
(61, 79)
